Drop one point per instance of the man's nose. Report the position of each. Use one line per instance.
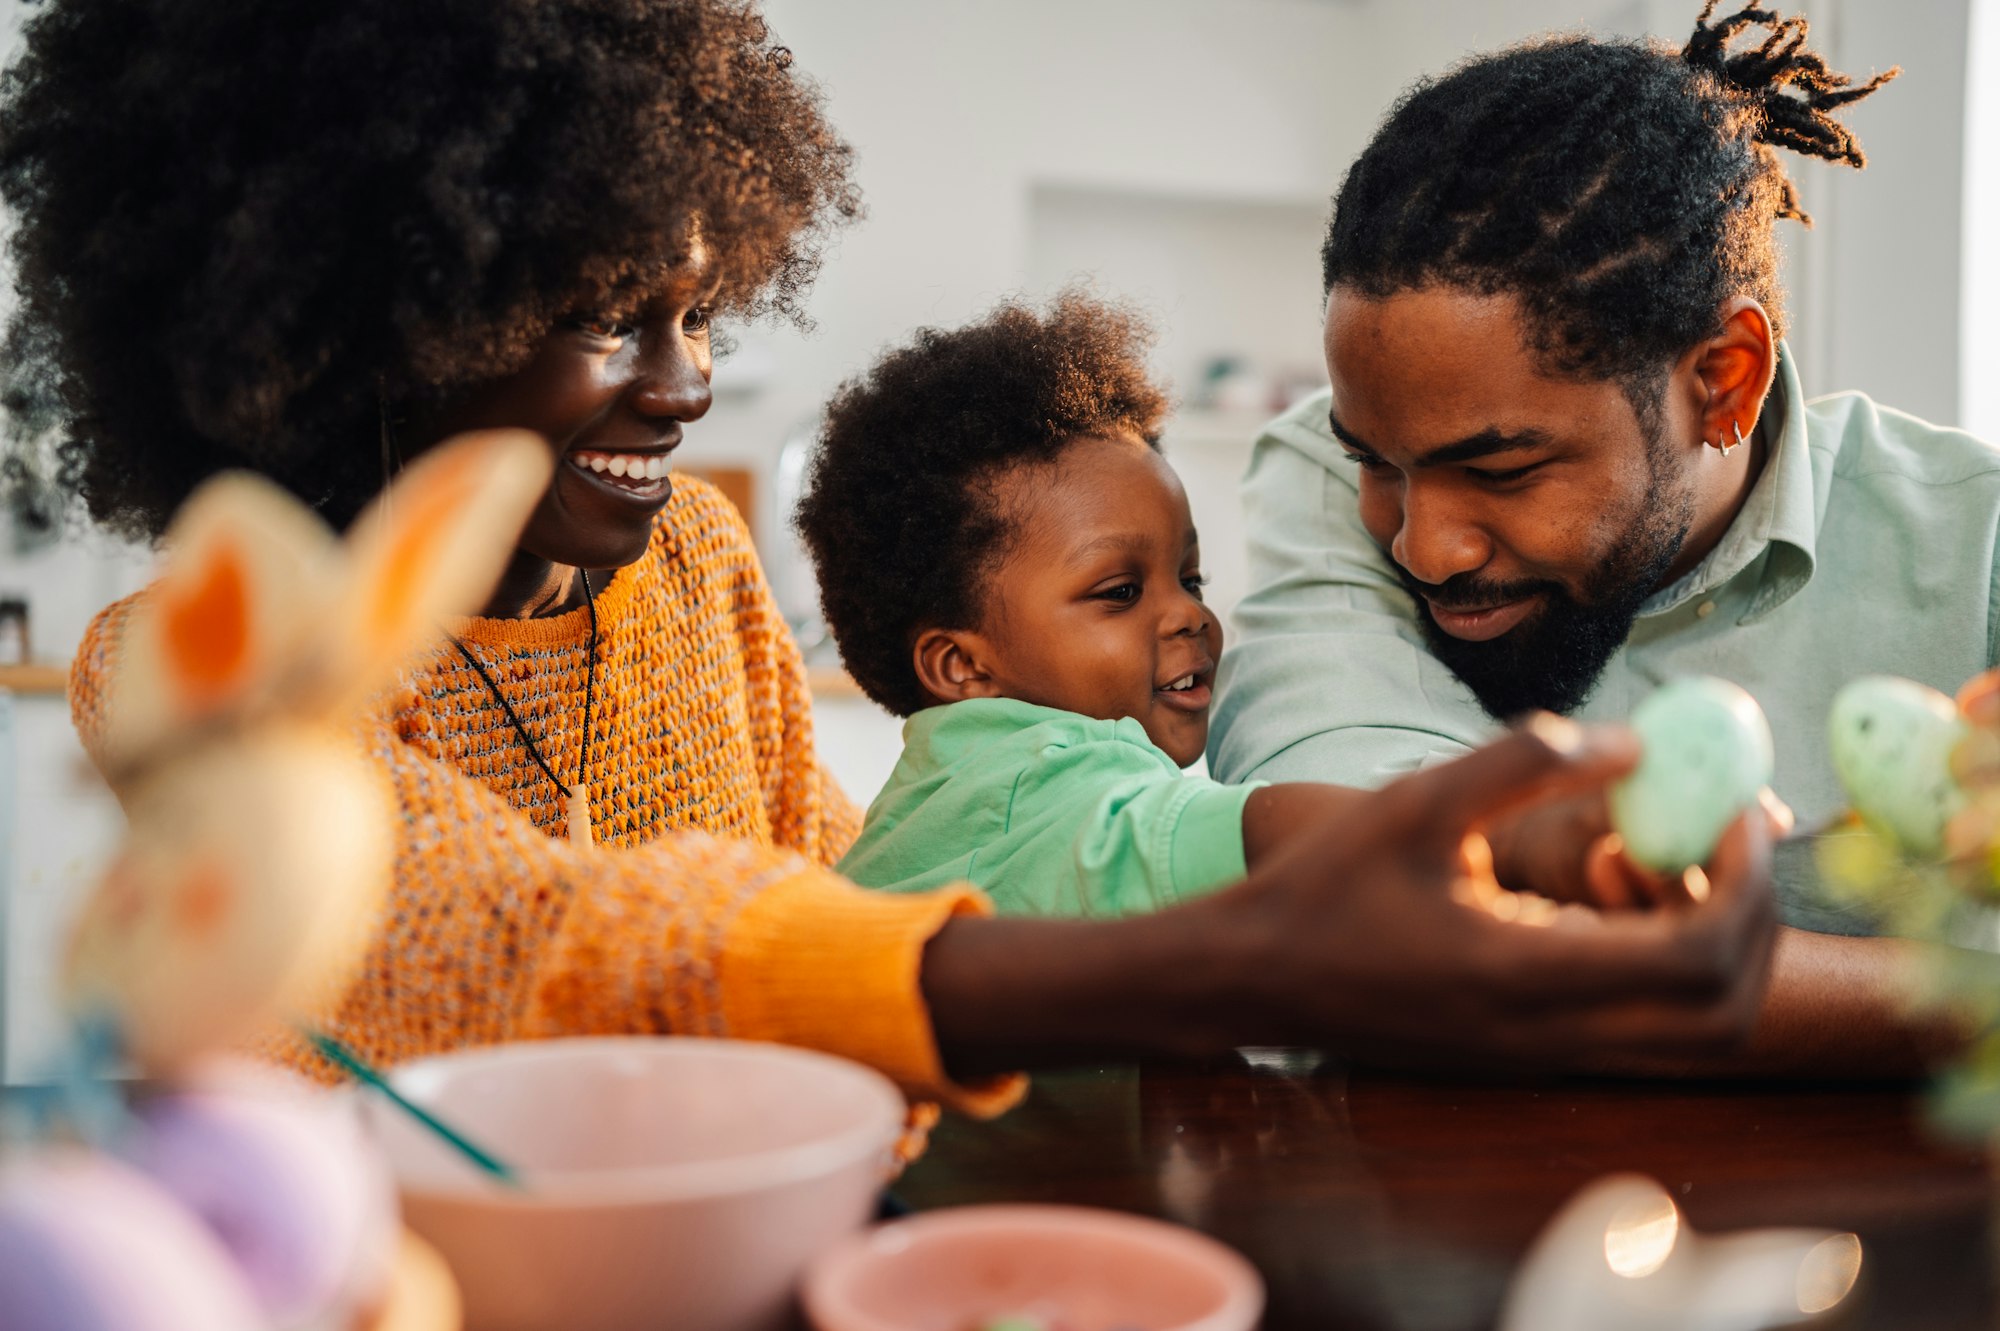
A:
(1435, 539)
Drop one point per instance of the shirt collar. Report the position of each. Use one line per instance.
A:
(1780, 516)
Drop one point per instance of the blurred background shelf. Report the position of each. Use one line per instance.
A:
(39, 679)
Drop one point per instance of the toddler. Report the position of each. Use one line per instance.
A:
(1006, 560)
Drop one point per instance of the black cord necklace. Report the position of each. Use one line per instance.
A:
(579, 795)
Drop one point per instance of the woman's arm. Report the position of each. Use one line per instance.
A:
(1351, 936)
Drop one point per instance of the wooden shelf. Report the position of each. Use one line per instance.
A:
(38, 679)
(46, 680)
(832, 682)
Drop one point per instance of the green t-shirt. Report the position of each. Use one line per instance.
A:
(1051, 813)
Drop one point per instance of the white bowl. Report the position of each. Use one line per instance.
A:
(669, 1182)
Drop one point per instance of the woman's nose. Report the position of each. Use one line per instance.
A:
(670, 376)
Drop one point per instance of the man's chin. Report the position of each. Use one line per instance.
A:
(1549, 662)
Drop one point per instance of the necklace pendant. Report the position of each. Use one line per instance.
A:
(579, 816)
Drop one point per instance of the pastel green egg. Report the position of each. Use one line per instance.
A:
(1892, 743)
(1706, 752)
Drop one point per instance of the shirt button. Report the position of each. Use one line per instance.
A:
(1704, 610)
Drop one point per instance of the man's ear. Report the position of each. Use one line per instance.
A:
(1736, 368)
(951, 665)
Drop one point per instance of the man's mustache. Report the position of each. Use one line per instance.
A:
(1466, 593)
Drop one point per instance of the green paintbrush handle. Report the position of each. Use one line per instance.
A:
(344, 1058)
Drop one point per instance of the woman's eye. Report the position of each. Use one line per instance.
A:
(697, 320)
(601, 326)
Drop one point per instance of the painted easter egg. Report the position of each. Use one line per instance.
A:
(1706, 753)
(90, 1244)
(283, 1176)
(1892, 744)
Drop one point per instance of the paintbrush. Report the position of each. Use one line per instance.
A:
(352, 1064)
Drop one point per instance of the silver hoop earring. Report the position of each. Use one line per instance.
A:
(1727, 448)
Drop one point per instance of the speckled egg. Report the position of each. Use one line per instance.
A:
(1707, 751)
(1892, 743)
(285, 1179)
(89, 1244)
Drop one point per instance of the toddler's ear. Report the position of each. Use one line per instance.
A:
(951, 665)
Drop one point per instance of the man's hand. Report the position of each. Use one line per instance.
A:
(1974, 834)
(1374, 933)
(1565, 849)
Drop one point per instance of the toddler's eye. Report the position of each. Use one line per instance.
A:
(1194, 582)
(1124, 593)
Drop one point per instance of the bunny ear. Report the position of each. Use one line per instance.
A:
(432, 546)
(248, 570)
(243, 894)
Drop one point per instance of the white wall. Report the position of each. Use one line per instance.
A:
(960, 108)
(1979, 308)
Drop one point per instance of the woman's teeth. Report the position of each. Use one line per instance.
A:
(629, 466)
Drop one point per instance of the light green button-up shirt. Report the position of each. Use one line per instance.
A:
(1050, 812)
(1867, 546)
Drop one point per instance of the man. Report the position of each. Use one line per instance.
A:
(1564, 456)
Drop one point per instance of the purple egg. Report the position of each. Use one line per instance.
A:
(89, 1244)
(284, 1178)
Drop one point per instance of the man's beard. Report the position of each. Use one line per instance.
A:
(1554, 658)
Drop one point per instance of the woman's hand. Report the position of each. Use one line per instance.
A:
(1369, 936)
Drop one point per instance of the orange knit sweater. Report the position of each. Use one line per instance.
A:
(705, 907)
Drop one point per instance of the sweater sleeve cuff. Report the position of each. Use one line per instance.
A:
(817, 962)
(1207, 850)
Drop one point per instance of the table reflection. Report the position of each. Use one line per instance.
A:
(1377, 1201)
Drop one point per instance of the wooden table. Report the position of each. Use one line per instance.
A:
(1373, 1202)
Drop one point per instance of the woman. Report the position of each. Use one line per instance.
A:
(313, 240)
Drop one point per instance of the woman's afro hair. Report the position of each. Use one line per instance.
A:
(900, 511)
(249, 231)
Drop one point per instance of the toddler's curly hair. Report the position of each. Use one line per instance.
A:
(900, 512)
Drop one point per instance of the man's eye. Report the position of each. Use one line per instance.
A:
(1504, 476)
(1365, 461)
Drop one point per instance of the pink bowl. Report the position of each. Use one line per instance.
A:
(1072, 1267)
(669, 1182)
